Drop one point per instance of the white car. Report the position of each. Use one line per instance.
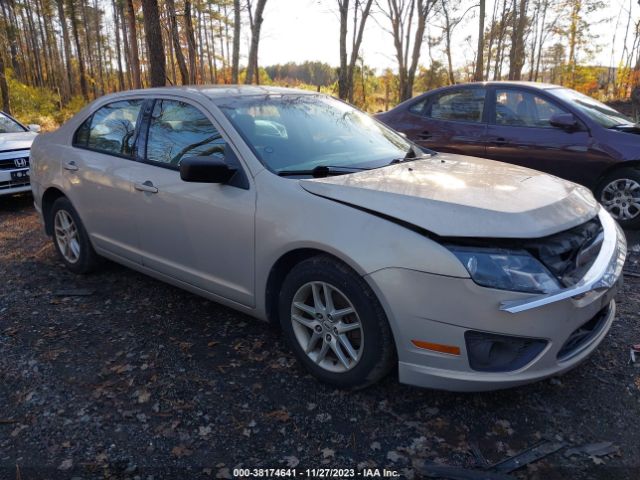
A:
(294, 207)
(15, 144)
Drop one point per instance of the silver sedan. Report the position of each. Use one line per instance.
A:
(369, 252)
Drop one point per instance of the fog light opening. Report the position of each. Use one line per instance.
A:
(489, 352)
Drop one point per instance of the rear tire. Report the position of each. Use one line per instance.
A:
(619, 194)
(71, 239)
(344, 341)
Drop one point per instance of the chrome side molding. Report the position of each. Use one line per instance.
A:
(603, 274)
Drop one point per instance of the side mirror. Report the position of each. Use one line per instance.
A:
(566, 121)
(207, 169)
(34, 128)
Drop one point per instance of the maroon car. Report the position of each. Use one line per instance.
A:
(545, 127)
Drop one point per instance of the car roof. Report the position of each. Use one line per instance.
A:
(520, 83)
(213, 91)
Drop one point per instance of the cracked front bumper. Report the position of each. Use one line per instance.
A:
(439, 310)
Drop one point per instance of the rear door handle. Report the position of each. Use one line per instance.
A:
(71, 166)
(146, 187)
(500, 141)
(424, 135)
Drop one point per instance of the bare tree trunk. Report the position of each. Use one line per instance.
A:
(447, 43)
(155, 46)
(478, 77)
(191, 41)
(201, 46)
(357, 40)
(235, 60)
(4, 88)
(76, 37)
(133, 44)
(516, 55)
(116, 21)
(175, 36)
(343, 73)
(256, 25)
(492, 31)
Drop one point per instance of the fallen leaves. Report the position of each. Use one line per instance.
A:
(180, 451)
(119, 369)
(66, 465)
(143, 396)
(281, 415)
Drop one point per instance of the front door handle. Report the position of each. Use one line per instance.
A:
(146, 187)
(71, 166)
(500, 141)
(424, 135)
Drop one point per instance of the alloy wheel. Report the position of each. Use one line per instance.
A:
(621, 198)
(67, 238)
(327, 327)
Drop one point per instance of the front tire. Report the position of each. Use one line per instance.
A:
(71, 239)
(619, 194)
(335, 325)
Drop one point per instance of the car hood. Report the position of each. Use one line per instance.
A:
(459, 196)
(16, 141)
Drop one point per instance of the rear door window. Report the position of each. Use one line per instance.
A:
(463, 105)
(111, 129)
(178, 130)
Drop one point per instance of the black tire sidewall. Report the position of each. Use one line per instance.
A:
(631, 174)
(378, 351)
(87, 260)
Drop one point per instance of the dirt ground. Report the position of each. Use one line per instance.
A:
(138, 379)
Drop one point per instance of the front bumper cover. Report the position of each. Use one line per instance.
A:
(440, 309)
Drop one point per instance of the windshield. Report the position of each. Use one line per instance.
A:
(301, 132)
(597, 111)
(8, 125)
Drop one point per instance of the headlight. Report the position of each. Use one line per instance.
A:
(505, 269)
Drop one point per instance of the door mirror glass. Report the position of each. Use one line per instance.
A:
(34, 128)
(565, 121)
(206, 169)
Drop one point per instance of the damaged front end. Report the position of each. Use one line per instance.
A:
(570, 264)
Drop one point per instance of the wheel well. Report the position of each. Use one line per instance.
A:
(618, 166)
(279, 272)
(48, 199)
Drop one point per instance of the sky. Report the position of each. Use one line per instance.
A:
(299, 30)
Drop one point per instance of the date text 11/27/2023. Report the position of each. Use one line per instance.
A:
(315, 473)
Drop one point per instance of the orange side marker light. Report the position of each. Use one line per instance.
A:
(437, 347)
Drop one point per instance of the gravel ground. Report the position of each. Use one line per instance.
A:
(138, 379)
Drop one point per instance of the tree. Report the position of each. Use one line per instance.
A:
(518, 28)
(155, 46)
(4, 87)
(191, 41)
(345, 73)
(255, 21)
(235, 59)
(401, 14)
(175, 37)
(134, 56)
(577, 32)
(76, 37)
(478, 76)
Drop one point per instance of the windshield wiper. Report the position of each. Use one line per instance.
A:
(322, 171)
